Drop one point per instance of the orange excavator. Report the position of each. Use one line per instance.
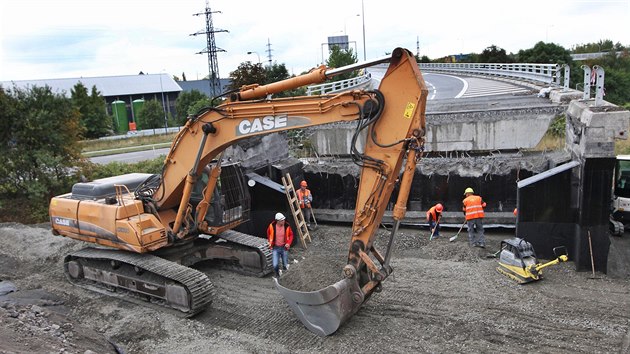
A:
(149, 229)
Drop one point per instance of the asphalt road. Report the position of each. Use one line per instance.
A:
(130, 157)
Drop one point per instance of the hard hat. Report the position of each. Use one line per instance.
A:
(515, 211)
(439, 207)
(303, 184)
(280, 216)
(469, 190)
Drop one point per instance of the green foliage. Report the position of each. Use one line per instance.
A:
(39, 148)
(276, 72)
(94, 120)
(617, 77)
(92, 171)
(605, 45)
(557, 127)
(424, 59)
(151, 116)
(339, 57)
(247, 74)
(545, 53)
(617, 74)
(493, 54)
(185, 101)
(279, 72)
(198, 106)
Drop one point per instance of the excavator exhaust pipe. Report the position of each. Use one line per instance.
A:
(325, 310)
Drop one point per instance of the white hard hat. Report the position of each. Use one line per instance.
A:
(280, 216)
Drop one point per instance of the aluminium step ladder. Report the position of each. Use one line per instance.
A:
(298, 216)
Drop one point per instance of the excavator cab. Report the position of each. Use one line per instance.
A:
(230, 201)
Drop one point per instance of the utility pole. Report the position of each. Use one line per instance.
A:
(211, 49)
(418, 47)
(268, 50)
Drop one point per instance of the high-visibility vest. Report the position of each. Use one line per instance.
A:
(432, 213)
(271, 234)
(302, 196)
(473, 207)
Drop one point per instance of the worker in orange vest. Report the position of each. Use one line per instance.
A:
(280, 238)
(305, 198)
(434, 215)
(473, 209)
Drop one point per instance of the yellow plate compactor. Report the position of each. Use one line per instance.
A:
(517, 260)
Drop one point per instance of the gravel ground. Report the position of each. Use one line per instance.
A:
(442, 297)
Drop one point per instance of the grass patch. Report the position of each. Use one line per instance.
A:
(550, 142)
(88, 146)
(622, 147)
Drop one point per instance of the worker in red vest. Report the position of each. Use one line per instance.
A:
(473, 208)
(434, 215)
(305, 198)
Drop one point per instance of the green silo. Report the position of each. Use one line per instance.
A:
(119, 111)
(136, 107)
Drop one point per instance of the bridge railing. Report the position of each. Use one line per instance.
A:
(337, 86)
(541, 73)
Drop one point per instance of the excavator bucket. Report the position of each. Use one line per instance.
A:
(323, 311)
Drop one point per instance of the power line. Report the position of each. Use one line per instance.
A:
(211, 49)
(269, 50)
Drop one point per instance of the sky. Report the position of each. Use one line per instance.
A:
(48, 39)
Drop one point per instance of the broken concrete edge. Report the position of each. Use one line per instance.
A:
(417, 219)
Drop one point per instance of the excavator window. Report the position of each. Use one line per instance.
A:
(234, 201)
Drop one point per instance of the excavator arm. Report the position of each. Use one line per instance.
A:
(394, 138)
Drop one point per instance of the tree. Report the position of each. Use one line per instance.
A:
(247, 74)
(151, 116)
(424, 59)
(545, 53)
(184, 101)
(39, 147)
(94, 120)
(276, 72)
(279, 72)
(617, 76)
(494, 54)
(605, 45)
(341, 57)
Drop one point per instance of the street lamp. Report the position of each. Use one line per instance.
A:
(163, 108)
(256, 55)
(363, 19)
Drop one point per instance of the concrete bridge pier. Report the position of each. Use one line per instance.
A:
(570, 205)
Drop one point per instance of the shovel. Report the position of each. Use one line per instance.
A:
(435, 228)
(313, 216)
(457, 234)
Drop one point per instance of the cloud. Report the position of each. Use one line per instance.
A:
(68, 38)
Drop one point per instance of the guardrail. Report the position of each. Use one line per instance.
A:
(337, 86)
(543, 73)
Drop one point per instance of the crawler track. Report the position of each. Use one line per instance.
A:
(257, 244)
(142, 278)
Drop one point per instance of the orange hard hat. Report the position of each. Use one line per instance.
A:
(303, 184)
(439, 207)
(515, 211)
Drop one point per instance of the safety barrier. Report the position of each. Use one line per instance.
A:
(541, 73)
(337, 86)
